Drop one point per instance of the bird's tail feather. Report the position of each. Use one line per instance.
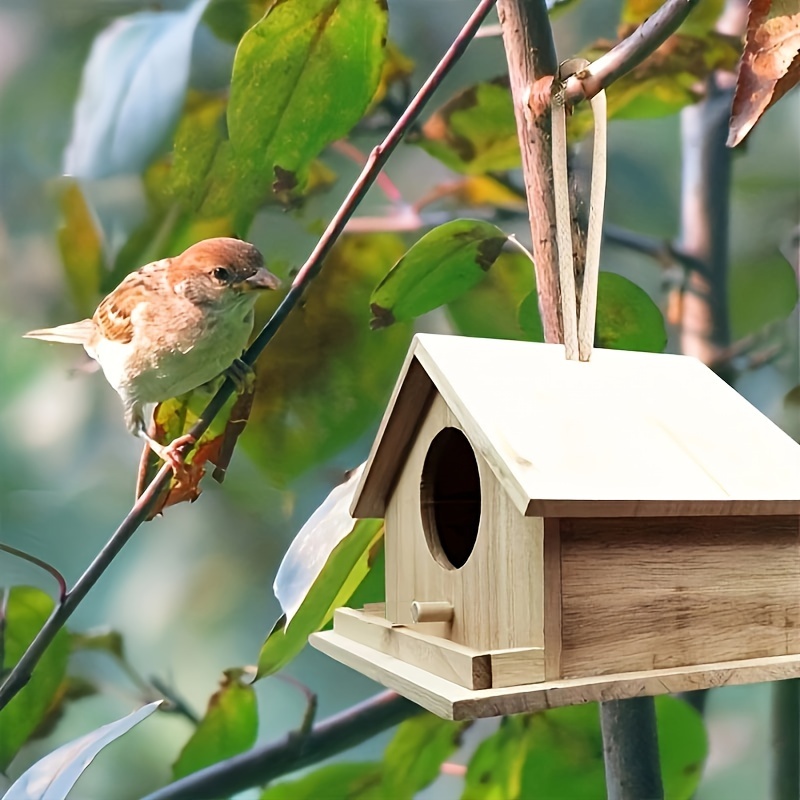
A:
(71, 333)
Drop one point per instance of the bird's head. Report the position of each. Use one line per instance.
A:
(222, 271)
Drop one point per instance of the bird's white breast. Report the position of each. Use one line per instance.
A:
(179, 359)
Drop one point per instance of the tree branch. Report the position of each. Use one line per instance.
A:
(661, 250)
(705, 328)
(22, 671)
(263, 764)
(629, 53)
(630, 749)
(785, 740)
(532, 63)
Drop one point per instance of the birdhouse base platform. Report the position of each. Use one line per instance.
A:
(450, 700)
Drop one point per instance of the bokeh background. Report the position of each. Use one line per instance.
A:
(191, 593)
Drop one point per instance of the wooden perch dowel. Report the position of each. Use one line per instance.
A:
(432, 611)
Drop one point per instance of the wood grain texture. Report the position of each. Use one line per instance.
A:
(552, 598)
(666, 436)
(431, 612)
(642, 594)
(436, 655)
(498, 595)
(451, 701)
(411, 397)
(517, 666)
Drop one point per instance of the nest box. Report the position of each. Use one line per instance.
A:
(560, 532)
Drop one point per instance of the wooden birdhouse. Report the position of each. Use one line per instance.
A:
(560, 532)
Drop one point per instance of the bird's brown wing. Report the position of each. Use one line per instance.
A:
(113, 317)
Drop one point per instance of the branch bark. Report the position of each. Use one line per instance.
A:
(630, 749)
(629, 53)
(532, 65)
(785, 740)
(705, 327)
(263, 764)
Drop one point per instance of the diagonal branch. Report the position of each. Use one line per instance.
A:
(263, 764)
(629, 53)
(21, 673)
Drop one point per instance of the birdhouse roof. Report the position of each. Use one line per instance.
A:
(625, 434)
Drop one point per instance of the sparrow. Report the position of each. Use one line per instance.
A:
(172, 326)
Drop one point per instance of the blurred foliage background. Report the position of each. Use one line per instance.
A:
(191, 594)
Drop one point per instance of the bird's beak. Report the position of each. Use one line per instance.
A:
(261, 279)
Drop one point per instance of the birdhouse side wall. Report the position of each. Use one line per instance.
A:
(656, 593)
(498, 595)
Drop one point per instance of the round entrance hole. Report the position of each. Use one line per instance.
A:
(450, 498)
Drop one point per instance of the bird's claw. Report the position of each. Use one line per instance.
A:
(242, 376)
(173, 454)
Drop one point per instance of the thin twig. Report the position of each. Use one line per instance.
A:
(263, 764)
(663, 251)
(49, 568)
(629, 53)
(22, 671)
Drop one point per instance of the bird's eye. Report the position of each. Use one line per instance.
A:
(222, 274)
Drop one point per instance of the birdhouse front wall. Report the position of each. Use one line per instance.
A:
(445, 500)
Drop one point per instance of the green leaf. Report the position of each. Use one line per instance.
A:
(302, 78)
(440, 267)
(198, 137)
(344, 570)
(414, 757)
(475, 131)
(230, 19)
(80, 243)
(328, 377)
(372, 588)
(490, 309)
(54, 776)
(627, 319)
(26, 612)
(132, 91)
(310, 549)
(334, 782)
(530, 321)
(229, 727)
(760, 292)
(558, 755)
(682, 747)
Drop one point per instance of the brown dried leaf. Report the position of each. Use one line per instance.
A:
(770, 64)
(173, 418)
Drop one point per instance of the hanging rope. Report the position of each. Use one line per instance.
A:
(578, 322)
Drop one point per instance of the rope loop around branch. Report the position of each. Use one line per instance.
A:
(578, 323)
